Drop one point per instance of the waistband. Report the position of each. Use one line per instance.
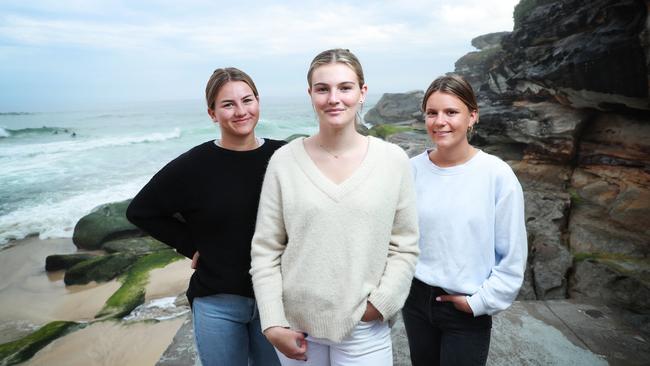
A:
(437, 291)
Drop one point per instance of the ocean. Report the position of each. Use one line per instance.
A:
(55, 167)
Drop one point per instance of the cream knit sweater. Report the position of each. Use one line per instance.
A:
(321, 250)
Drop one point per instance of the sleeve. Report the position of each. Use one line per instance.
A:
(267, 247)
(511, 249)
(156, 207)
(395, 283)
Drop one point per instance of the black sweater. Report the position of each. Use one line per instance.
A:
(206, 199)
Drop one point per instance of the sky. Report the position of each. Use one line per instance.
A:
(73, 54)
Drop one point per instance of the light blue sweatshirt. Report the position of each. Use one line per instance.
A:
(472, 230)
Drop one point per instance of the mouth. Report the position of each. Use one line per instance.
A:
(441, 133)
(334, 110)
(241, 120)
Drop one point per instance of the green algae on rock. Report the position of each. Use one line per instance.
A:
(131, 293)
(100, 269)
(20, 350)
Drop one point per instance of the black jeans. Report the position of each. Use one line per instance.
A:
(439, 334)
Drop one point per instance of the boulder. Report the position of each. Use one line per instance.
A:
(139, 246)
(102, 224)
(402, 108)
(57, 262)
(99, 269)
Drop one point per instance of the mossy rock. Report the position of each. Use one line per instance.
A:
(20, 350)
(385, 130)
(57, 262)
(131, 293)
(139, 246)
(99, 269)
(295, 136)
(104, 223)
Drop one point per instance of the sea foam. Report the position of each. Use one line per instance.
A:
(56, 219)
(75, 146)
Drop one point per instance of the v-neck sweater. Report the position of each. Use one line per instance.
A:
(321, 250)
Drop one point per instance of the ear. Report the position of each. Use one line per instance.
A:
(309, 91)
(473, 117)
(212, 115)
(364, 92)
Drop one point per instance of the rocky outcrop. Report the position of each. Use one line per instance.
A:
(58, 262)
(104, 223)
(564, 99)
(396, 108)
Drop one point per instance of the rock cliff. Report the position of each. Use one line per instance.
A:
(564, 99)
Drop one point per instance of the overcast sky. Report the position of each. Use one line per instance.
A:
(63, 54)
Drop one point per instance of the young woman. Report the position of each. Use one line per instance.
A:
(472, 235)
(336, 239)
(205, 201)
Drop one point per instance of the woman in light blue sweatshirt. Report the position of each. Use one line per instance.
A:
(472, 235)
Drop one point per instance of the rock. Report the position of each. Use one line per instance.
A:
(616, 282)
(612, 207)
(99, 269)
(23, 349)
(138, 246)
(562, 45)
(548, 130)
(57, 262)
(104, 223)
(295, 136)
(402, 108)
(490, 40)
(413, 142)
(613, 139)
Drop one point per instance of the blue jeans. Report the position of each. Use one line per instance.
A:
(227, 332)
(439, 334)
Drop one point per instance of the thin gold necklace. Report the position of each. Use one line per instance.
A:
(329, 152)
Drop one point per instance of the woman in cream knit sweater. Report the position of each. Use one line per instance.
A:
(335, 244)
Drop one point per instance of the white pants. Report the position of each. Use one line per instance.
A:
(369, 344)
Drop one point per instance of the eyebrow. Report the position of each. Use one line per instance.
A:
(342, 82)
(232, 100)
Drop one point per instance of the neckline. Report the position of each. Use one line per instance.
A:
(213, 145)
(451, 170)
(319, 179)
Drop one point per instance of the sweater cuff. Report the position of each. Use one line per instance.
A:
(384, 304)
(272, 315)
(476, 303)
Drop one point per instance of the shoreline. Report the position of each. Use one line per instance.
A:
(31, 297)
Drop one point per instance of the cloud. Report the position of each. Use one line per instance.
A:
(262, 28)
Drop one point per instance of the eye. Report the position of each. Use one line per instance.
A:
(321, 89)
(346, 88)
(248, 100)
(226, 105)
(432, 113)
(452, 113)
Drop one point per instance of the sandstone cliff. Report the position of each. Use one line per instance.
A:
(564, 99)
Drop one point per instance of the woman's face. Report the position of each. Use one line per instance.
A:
(447, 119)
(236, 109)
(336, 94)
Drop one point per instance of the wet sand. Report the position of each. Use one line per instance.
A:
(31, 297)
(110, 343)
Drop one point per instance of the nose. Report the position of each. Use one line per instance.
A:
(333, 98)
(239, 110)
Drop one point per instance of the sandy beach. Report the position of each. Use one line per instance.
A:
(31, 297)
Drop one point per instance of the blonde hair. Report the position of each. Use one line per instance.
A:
(337, 55)
(222, 76)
